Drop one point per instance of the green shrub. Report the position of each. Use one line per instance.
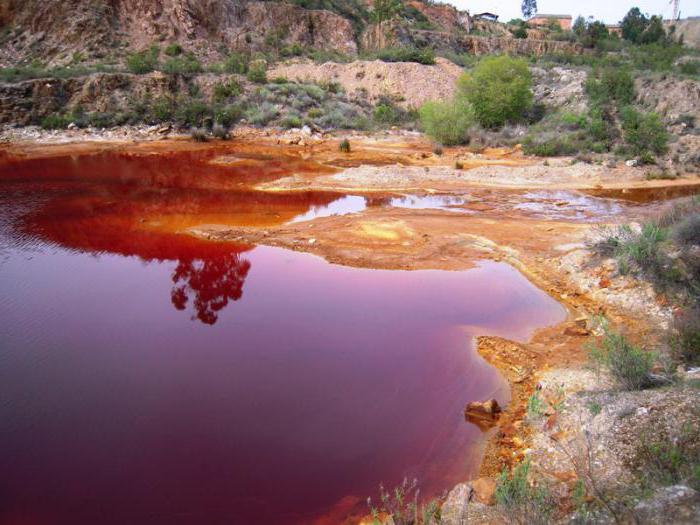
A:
(173, 50)
(228, 115)
(262, 114)
(687, 231)
(198, 134)
(192, 112)
(644, 132)
(522, 502)
(499, 90)
(236, 63)
(163, 109)
(550, 147)
(225, 91)
(691, 67)
(629, 365)
(385, 114)
(143, 61)
(655, 57)
(344, 146)
(447, 122)
(257, 72)
(220, 131)
(291, 120)
(341, 115)
(406, 54)
(183, 65)
(684, 340)
(669, 460)
(294, 50)
(611, 85)
(55, 121)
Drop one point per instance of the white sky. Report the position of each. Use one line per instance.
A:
(610, 11)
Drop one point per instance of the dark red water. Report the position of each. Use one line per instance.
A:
(147, 377)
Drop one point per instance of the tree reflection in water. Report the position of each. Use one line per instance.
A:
(210, 283)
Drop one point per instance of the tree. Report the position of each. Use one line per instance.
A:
(499, 89)
(654, 32)
(579, 26)
(633, 25)
(595, 32)
(386, 10)
(529, 8)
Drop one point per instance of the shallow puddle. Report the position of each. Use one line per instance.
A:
(149, 377)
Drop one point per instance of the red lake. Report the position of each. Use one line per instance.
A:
(149, 377)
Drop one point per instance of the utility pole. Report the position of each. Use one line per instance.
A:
(675, 8)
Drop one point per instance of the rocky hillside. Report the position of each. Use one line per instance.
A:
(57, 30)
(689, 29)
(63, 32)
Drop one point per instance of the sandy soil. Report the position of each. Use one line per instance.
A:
(408, 83)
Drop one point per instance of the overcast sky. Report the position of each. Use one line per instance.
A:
(610, 11)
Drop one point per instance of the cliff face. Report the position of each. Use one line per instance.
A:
(390, 34)
(54, 30)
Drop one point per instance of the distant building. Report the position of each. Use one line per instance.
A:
(615, 30)
(486, 16)
(564, 21)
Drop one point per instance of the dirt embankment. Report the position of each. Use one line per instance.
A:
(408, 83)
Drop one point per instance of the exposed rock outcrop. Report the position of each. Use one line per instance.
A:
(28, 102)
(389, 34)
(54, 30)
(668, 96)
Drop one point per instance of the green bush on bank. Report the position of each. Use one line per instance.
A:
(405, 54)
(629, 365)
(144, 61)
(448, 122)
(521, 501)
(610, 85)
(257, 72)
(644, 132)
(183, 65)
(499, 90)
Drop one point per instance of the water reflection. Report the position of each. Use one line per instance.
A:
(342, 206)
(209, 283)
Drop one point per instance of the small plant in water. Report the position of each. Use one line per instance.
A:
(198, 134)
(402, 506)
(220, 132)
(344, 146)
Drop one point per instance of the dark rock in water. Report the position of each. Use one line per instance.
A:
(483, 414)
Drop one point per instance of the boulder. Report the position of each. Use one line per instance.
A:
(484, 491)
(455, 509)
(677, 504)
(483, 414)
